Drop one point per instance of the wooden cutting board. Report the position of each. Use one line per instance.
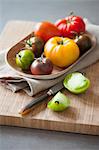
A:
(81, 117)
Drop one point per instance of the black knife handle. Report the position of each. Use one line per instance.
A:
(26, 109)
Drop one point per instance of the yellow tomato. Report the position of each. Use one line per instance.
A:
(61, 51)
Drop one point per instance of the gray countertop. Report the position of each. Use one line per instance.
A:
(14, 138)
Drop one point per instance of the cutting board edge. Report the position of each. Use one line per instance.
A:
(49, 125)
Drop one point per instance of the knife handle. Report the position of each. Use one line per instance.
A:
(26, 109)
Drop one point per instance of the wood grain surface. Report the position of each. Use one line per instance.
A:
(81, 117)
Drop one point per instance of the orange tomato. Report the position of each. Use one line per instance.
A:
(61, 51)
(46, 30)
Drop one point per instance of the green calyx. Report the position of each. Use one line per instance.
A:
(29, 42)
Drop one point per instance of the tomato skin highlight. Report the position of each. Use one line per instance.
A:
(69, 25)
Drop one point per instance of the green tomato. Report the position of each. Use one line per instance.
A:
(59, 102)
(24, 59)
(76, 83)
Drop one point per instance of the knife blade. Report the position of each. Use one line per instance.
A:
(52, 91)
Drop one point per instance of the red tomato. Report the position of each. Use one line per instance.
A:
(69, 25)
(46, 30)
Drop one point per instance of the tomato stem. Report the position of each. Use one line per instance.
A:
(75, 34)
(71, 13)
(67, 21)
(60, 42)
(42, 55)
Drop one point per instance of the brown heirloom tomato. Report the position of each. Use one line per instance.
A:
(36, 44)
(84, 42)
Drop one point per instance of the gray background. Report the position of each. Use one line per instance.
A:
(38, 10)
(13, 138)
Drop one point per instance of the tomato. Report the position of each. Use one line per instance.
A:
(84, 42)
(61, 51)
(36, 44)
(69, 25)
(76, 83)
(46, 30)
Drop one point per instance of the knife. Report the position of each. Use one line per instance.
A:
(52, 91)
